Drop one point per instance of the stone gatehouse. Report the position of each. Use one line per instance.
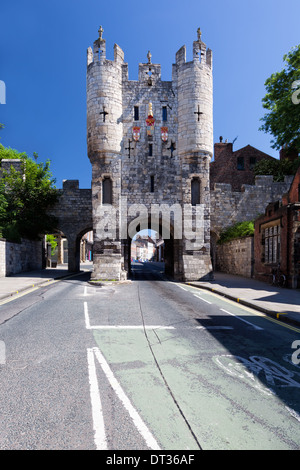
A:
(150, 143)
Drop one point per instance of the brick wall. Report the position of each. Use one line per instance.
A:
(235, 167)
(20, 257)
(236, 257)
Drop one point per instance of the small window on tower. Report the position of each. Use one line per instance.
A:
(150, 153)
(195, 190)
(151, 184)
(107, 190)
(136, 113)
(164, 113)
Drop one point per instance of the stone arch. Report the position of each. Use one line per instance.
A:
(171, 249)
(74, 247)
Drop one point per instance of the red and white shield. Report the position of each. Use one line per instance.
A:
(164, 134)
(136, 133)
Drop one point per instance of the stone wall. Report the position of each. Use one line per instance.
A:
(229, 207)
(20, 257)
(236, 257)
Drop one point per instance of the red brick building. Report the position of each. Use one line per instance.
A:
(277, 237)
(235, 168)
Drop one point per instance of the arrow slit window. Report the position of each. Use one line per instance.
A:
(107, 190)
(136, 113)
(195, 191)
(164, 113)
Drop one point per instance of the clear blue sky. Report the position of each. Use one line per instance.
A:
(43, 64)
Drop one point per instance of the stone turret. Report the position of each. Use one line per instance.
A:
(104, 140)
(195, 99)
(104, 101)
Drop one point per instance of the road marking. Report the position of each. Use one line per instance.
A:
(242, 319)
(204, 300)
(86, 316)
(137, 420)
(293, 413)
(214, 328)
(98, 421)
(120, 327)
(131, 327)
(253, 369)
(252, 310)
(183, 288)
(85, 291)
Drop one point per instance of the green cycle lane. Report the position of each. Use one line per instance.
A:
(196, 392)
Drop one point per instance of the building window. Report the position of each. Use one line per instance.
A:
(271, 243)
(164, 113)
(107, 190)
(195, 191)
(150, 152)
(151, 184)
(252, 162)
(136, 113)
(240, 163)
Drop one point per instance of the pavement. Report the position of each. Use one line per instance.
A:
(20, 283)
(280, 303)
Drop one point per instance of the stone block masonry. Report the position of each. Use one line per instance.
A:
(236, 257)
(20, 257)
(150, 142)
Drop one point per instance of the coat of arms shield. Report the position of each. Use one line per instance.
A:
(136, 133)
(164, 134)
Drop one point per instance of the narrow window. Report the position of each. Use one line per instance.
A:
(136, 113)
(195, 191)
(164, 113)
(252, 162)
(106, 191)
(240, 163)
(151, 184)
(150, 150)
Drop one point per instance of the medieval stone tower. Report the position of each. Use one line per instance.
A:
(150, 143)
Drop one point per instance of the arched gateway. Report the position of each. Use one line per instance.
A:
(150, 143)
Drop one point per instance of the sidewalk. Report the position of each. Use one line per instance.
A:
(278, 302)
(12, 285)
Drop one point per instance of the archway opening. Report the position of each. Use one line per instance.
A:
(73, 252)
(147, 248)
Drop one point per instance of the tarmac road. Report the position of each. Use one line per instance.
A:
(146, 364)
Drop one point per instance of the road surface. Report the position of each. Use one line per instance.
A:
(146, 364)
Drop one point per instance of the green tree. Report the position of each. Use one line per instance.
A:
(278, 168)
(283, 119)
(53, 242)
(238, 230)
(25, 198)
